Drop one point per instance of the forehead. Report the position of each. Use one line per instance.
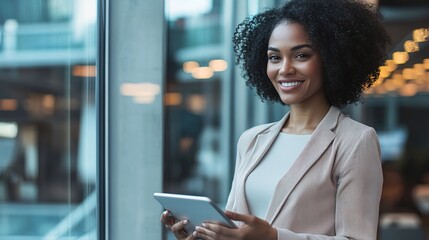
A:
(289, 33)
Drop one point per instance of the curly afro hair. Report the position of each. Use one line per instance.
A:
(348, 33)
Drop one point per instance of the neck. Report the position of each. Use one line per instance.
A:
(304, 120)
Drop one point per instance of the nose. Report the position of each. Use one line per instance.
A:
(287, 68)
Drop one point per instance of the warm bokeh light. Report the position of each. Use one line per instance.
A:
(189, 66)
(400, 57)
(139, 89)
(377, 82)
(406, 81)
(426, 63)
(48, 103)
(408, 90)
(144, 99)
(218, 65)
(142, 92)
(380, 90)
(8, 104)
(421, 34)
(390, 86)
(196, 103)
(391, 65)
(397, 79)
(411, 46)
(84, 71)
(173, 99)
(419, 69)
(408, 73)
(202, 73)
(384, 72)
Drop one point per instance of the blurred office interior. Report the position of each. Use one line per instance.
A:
(103, 103)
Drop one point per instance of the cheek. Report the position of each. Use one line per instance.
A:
(316, 71)
(271, 72)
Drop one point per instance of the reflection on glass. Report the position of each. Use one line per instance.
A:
(47, 119)
(193, 162)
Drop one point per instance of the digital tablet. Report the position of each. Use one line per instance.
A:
(197, 209)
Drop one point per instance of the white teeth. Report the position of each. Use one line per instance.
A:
(291, 84)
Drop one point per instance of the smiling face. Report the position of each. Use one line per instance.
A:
(294, 66)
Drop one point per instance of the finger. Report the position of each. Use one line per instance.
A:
(204, 233)
(192, 236)
(178, 230)
(167, 219)
(179, 226)
(214, 230)
(239, 217)
(163, 216)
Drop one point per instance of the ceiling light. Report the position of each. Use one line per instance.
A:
(408, 90)
(202, 73)
(426, 63)
(189, 66)
(391, 65)
(411, 46)
(419, 69)
(421, 34)
(400, 57)
(218, 65)
(384, 72)
(408, 73)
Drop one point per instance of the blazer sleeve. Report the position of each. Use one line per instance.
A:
(358, 195)
(241, 144)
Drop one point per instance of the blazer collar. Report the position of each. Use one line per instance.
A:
(310, 154)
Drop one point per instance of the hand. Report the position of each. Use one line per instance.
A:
(253, 229)
(176, 227)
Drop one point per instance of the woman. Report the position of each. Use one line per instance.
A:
(316, 173)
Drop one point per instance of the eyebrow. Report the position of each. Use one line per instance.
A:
(293, 48)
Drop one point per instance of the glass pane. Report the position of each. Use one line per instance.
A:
(193, 160)
(48, 119)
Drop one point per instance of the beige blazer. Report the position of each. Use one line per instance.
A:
(332, 190)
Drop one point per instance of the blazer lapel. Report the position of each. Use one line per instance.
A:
(264, 140)
(310, 154)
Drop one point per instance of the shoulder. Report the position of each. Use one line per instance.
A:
(354, 138)
(357, 146)
(248, 137)
(352, 130)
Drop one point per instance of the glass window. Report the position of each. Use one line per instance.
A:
(48, 119)
(194, 162)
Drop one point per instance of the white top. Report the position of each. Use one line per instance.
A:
(261, 182)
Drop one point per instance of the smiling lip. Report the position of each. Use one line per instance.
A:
(289, 84)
